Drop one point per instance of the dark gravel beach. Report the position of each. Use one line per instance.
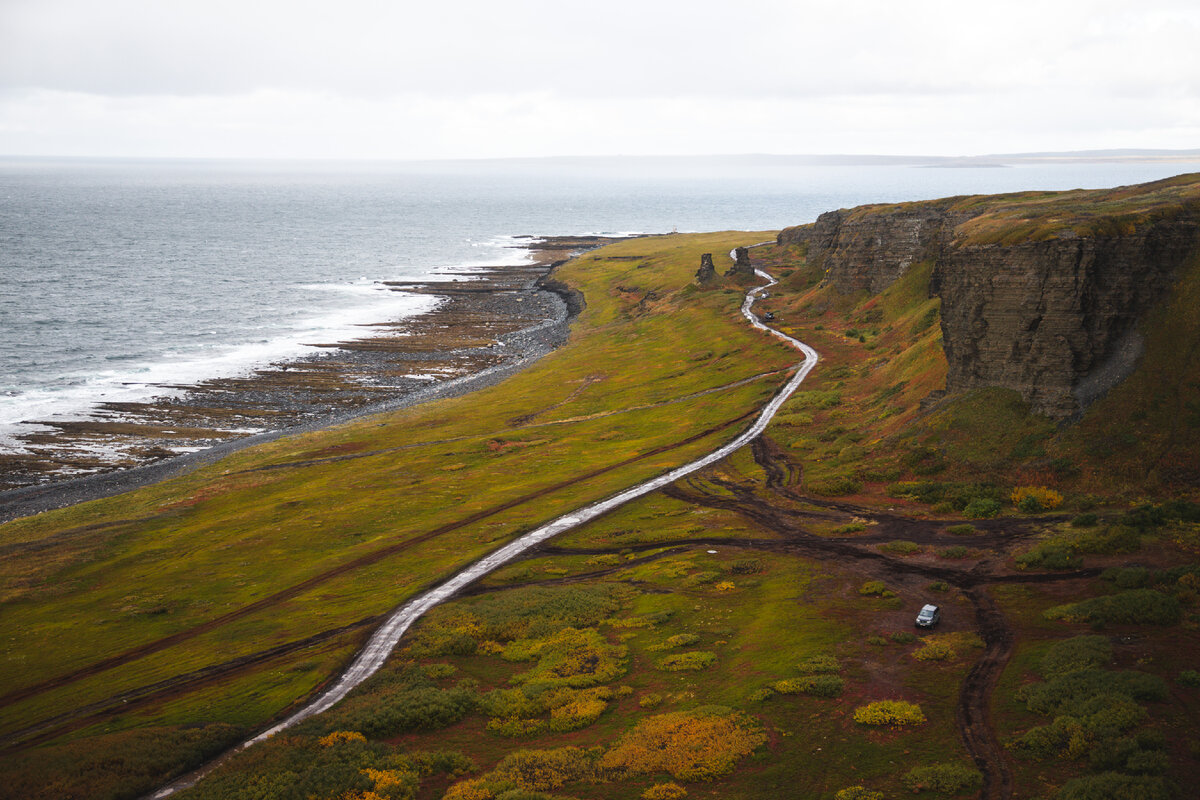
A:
(490, 323)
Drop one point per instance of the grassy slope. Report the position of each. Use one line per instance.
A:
(117, 574)
(854, 433)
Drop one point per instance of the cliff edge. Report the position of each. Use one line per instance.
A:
(1041, 292)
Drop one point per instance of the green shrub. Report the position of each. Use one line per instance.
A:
(939, 586)
(876, 640)
(1049, 555)
(1114, 786)
(982, 508)
(850, 527)
(815, 685)
(889, 712)
(819, 664)
(1086, 520)
(680, 662)
(1068, 693)
(872, 589)
(904, 637)
(1071, 655)
(858, 793)
(1127, 577)
(901, 547)
(935, 650)
(746, 566)
(1189, 677)
(835, 486)
(944, 778)
(963, 529)
(1137, 606)
(958, 551)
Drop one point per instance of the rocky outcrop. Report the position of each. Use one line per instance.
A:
(1055, 320)
(1040, 293)
(707, 272)
(741, 264)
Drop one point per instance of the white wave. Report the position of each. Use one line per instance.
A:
(79, 395)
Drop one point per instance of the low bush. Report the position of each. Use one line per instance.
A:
(962, 529)
(956, 552)
(1072, 655)
(1189, 677)
(944, 778)
(935, 650)
(1085, 520)
(1035, 498)
(1127, 577)
(746, 566)
(651, 700)
(872, 589)
(1115, 786)
(544, 770)
(1137, 606)
(665, 791)
(678, 640)
(693, 660)
(901, 547)
(818, 665)
(982, 508)
(903, 637)
(889, 712)
(835, 486)
(702, 744)
(1049, 555)
(815, 685)
(858, 793)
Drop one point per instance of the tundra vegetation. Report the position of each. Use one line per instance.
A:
(745, 633)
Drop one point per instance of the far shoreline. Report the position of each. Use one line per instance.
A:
(505, 286)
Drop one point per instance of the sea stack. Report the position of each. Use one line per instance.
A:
(707, 271)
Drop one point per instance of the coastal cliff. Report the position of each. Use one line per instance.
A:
(1041, 292)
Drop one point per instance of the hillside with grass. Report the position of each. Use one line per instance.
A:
(746, 632)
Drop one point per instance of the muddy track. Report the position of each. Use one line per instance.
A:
(972, 711)
(342, 569)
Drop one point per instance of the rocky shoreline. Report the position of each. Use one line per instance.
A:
(490, 322)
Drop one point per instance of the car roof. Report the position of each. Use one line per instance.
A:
(929, 607)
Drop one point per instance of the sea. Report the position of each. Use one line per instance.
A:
(122, 280)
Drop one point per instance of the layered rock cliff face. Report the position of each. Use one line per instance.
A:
(1054, 317)
(869, 248)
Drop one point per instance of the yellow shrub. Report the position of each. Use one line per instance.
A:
(543, 770)
(473, 789)
(889, 712)
(935, 650)
(341, 737)
(724, 586)
(1038, 496)
(664, 791)
(698, 745)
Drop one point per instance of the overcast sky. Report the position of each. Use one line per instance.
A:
(496, 78)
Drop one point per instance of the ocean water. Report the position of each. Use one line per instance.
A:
(121, 279)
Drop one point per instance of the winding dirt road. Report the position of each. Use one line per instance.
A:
(381, 644)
